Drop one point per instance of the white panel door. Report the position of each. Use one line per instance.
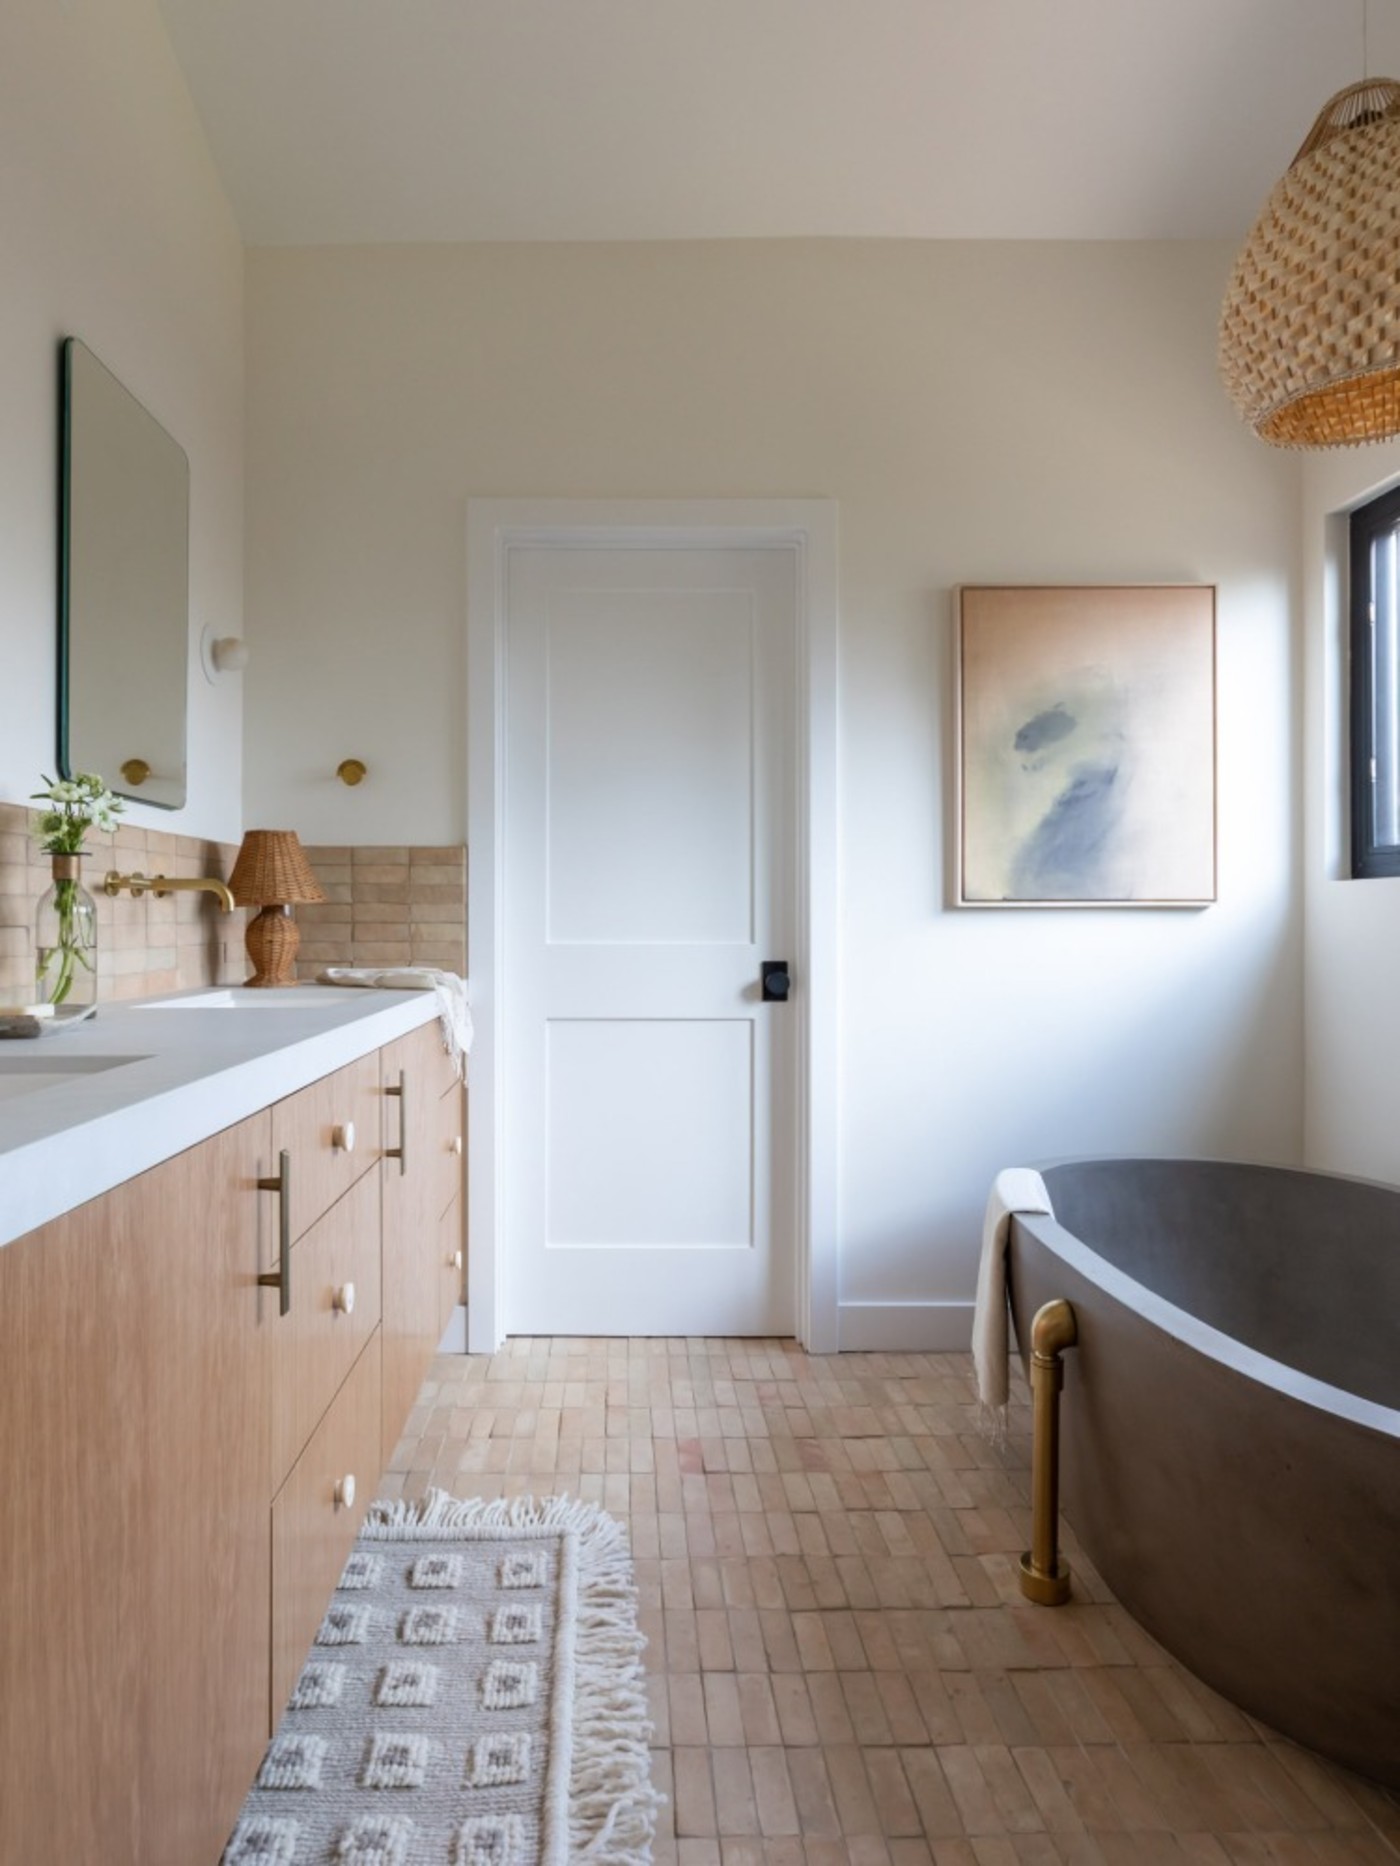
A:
(649, 871)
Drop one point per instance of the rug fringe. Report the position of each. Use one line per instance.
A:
(612, 1804)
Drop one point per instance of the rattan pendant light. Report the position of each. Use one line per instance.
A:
(1310, 331)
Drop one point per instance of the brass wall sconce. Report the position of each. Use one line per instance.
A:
(352, 771)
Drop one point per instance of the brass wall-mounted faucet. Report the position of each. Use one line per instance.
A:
(159, 885)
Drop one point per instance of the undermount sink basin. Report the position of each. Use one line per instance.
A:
(239, 998)
(29, 1074)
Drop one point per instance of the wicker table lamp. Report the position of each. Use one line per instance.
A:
(272, 872)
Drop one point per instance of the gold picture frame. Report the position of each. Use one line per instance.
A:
(1085, 745)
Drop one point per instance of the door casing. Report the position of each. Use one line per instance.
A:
(808, 529)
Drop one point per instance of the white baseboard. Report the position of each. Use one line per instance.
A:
(906, 1327)
(872, 1327)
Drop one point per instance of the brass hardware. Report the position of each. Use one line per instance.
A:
(343, 1137)
(400, 1153)
(352, 771)
(136, 771)
(1044, 1577)
(280, 1279)
(161, 885)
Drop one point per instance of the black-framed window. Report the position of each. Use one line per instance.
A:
(1375, 687)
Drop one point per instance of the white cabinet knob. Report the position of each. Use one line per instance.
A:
(345, 1490)
(454, 1262)
(455, 1144)
(344, 1299)
(343, 1137)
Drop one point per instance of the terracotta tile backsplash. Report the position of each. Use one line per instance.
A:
(143, 947)
(395, 905)
(384, 906)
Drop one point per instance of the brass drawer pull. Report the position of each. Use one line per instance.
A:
(280, 1279)
(400, 1153)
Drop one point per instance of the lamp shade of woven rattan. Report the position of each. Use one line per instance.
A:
(1310, 330)
(272, 867)
(271, 872)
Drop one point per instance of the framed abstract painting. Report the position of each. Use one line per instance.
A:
(1086, 746)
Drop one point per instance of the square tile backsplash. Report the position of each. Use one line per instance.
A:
(384, 906)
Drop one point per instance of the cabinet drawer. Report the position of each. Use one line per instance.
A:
(317, 1342)
(315, 1125)
(449, 1147)
(452, 1262)
(427, 1073)
(438, 1067)
(312, 1528)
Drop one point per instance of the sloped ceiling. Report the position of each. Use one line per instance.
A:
(390, 120)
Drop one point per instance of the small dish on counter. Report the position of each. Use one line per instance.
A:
(26, 1024)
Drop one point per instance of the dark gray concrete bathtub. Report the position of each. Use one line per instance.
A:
(1231, 1426)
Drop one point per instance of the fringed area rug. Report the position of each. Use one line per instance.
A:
(474, 1698)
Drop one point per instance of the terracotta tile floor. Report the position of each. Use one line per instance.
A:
(842, 1668)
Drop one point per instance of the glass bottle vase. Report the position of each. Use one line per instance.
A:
(65, 939)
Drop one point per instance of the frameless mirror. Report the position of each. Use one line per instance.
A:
(123, 589)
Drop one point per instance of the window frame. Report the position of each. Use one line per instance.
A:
(1370, 859)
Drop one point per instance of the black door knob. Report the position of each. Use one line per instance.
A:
(777, 981)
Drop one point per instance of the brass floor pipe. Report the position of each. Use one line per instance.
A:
(1044, 1577)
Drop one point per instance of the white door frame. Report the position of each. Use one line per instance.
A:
(806, 528)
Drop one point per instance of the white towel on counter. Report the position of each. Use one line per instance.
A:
(454, 1013)
(1015, 1189)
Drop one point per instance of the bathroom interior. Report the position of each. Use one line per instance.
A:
(388, 280)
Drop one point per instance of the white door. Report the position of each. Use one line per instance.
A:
(649, 873)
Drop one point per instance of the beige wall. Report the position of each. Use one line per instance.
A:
(113, 228)
(981, 412)
(1353, 927)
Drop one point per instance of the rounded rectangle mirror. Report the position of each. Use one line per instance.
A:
(123, 665)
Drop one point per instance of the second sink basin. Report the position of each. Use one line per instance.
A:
(28, 1074)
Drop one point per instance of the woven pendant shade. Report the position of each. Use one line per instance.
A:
(272, 867)
(1310, 330)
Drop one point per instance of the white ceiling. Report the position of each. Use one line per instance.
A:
(388, 120)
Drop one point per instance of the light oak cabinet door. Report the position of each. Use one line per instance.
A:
(331, 1129)
(335, 1272)
(413, 1181)
(316, 1517)
(134, 1607)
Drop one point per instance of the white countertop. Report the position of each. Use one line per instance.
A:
(177, 1075)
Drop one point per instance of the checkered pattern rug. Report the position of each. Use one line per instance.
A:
(474, 1698)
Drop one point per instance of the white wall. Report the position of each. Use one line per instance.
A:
(113, 228)
(982, 413)
(1352, 927)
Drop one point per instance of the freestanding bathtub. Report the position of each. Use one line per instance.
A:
(1230, 1426)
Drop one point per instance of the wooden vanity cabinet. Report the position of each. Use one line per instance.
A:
(184, 1467)
(134, 1600)
(422, 1103)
